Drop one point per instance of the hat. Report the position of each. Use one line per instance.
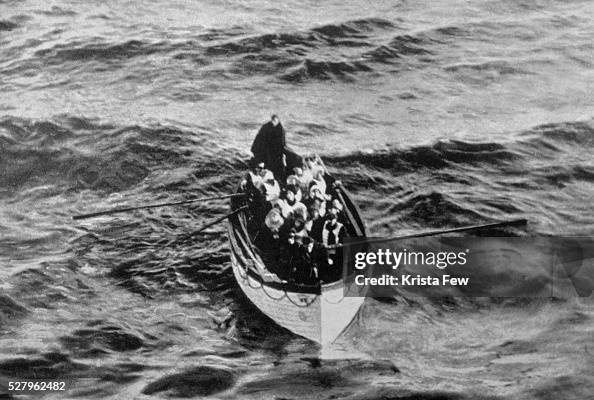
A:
(333, 212)
(254, 162)
(274, 220)
(292, 180)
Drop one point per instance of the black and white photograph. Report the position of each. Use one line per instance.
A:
(290, 200)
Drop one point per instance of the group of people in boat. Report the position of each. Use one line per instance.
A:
(296, 217)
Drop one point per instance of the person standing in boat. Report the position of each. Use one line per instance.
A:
(270, 147)
(333, 233)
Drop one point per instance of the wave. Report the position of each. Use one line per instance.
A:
(313, 38)
(500, 67)
(357, 47)
(257, 44)
(56, 11)
(437, 208)
(196, 381)
(97, 337)
(297, 57)
(437, 156)
(7, 25)
(256, 64)
(84, 154)
(10, 310)
(400, 46)
(355, 28)
(324, 70)
(49, 366)
(552, 140)
(78, 51)
(567, 133)
(216, 34)
(40, 133)
(562, 175)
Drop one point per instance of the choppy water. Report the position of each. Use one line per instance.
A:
(434, 114)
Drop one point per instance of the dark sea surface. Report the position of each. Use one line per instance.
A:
(434, 114)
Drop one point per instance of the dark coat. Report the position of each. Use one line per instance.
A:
(269, 146)
(307, 266)
(316, 229)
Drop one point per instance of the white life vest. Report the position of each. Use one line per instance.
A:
(333, 239)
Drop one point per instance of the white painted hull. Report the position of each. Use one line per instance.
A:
(318, 317)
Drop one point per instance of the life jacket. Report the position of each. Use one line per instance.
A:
(332, 236)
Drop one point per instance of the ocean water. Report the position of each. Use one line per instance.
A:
(434, 114)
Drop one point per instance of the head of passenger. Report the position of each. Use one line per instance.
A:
(308, 243)
(259, 169)
(333, 215)
(315, 207)
(291, 237)
(313, 214)
(317, 202)
(315, 192)
(298, 171)
(299, 224)
(337, 204)
(275, 120)
(290, 197)
(293, 188)
(292, 180)
(268, 179)
(310, 161)
(274, 221)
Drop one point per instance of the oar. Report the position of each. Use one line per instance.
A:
(214, 222)
(513, 222)
(121, 210)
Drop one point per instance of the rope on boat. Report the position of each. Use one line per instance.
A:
(301, 305)
(283, 295)
(254, 287)
(262, 286)
(243, 274)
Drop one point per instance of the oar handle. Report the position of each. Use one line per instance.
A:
(216, 221)
(121, 210)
